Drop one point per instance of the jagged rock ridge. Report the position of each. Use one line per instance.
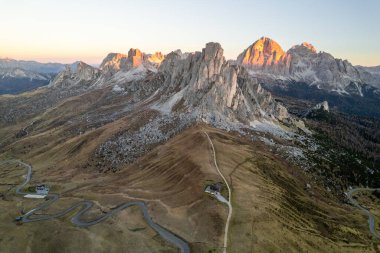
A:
(202, 81)
(206, 81)
(191, 88)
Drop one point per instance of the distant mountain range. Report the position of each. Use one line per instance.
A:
(20, 76)
(300, 72)
(375, 70)
(38, 67)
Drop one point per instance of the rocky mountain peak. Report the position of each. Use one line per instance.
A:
(86, 72)
(211, 64)
(309, 46)
(75, 74)
(212, 51)
(263, 52)
(303, 49)
(113, 62)
(156, 58)
(135, 57)
(268, 46)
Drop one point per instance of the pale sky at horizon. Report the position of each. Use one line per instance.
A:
(70, 30)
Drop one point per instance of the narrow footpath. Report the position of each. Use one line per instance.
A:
(229, 196)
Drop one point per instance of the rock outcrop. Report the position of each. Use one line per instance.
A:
(205, 81)
(115, 62)
(135, 58)
(323, 105)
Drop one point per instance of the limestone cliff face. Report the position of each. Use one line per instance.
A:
(156, 58)
(207, 82)
(265, 55)
(113, 62)
(86, 72)
(135, 58)
(303, 63)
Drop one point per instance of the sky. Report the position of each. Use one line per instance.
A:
(69, 30)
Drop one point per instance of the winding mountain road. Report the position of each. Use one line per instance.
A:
(371, 219)
(85, 205)
(229, 196)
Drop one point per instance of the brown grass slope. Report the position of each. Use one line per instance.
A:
(272, 210)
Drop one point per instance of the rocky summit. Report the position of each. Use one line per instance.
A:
(265, 55)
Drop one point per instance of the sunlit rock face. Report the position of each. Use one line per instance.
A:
(309, 46)
(265, 54)
(135, 57)
(303, 49)
(116, 61)
(113, 62)
(156, 58)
